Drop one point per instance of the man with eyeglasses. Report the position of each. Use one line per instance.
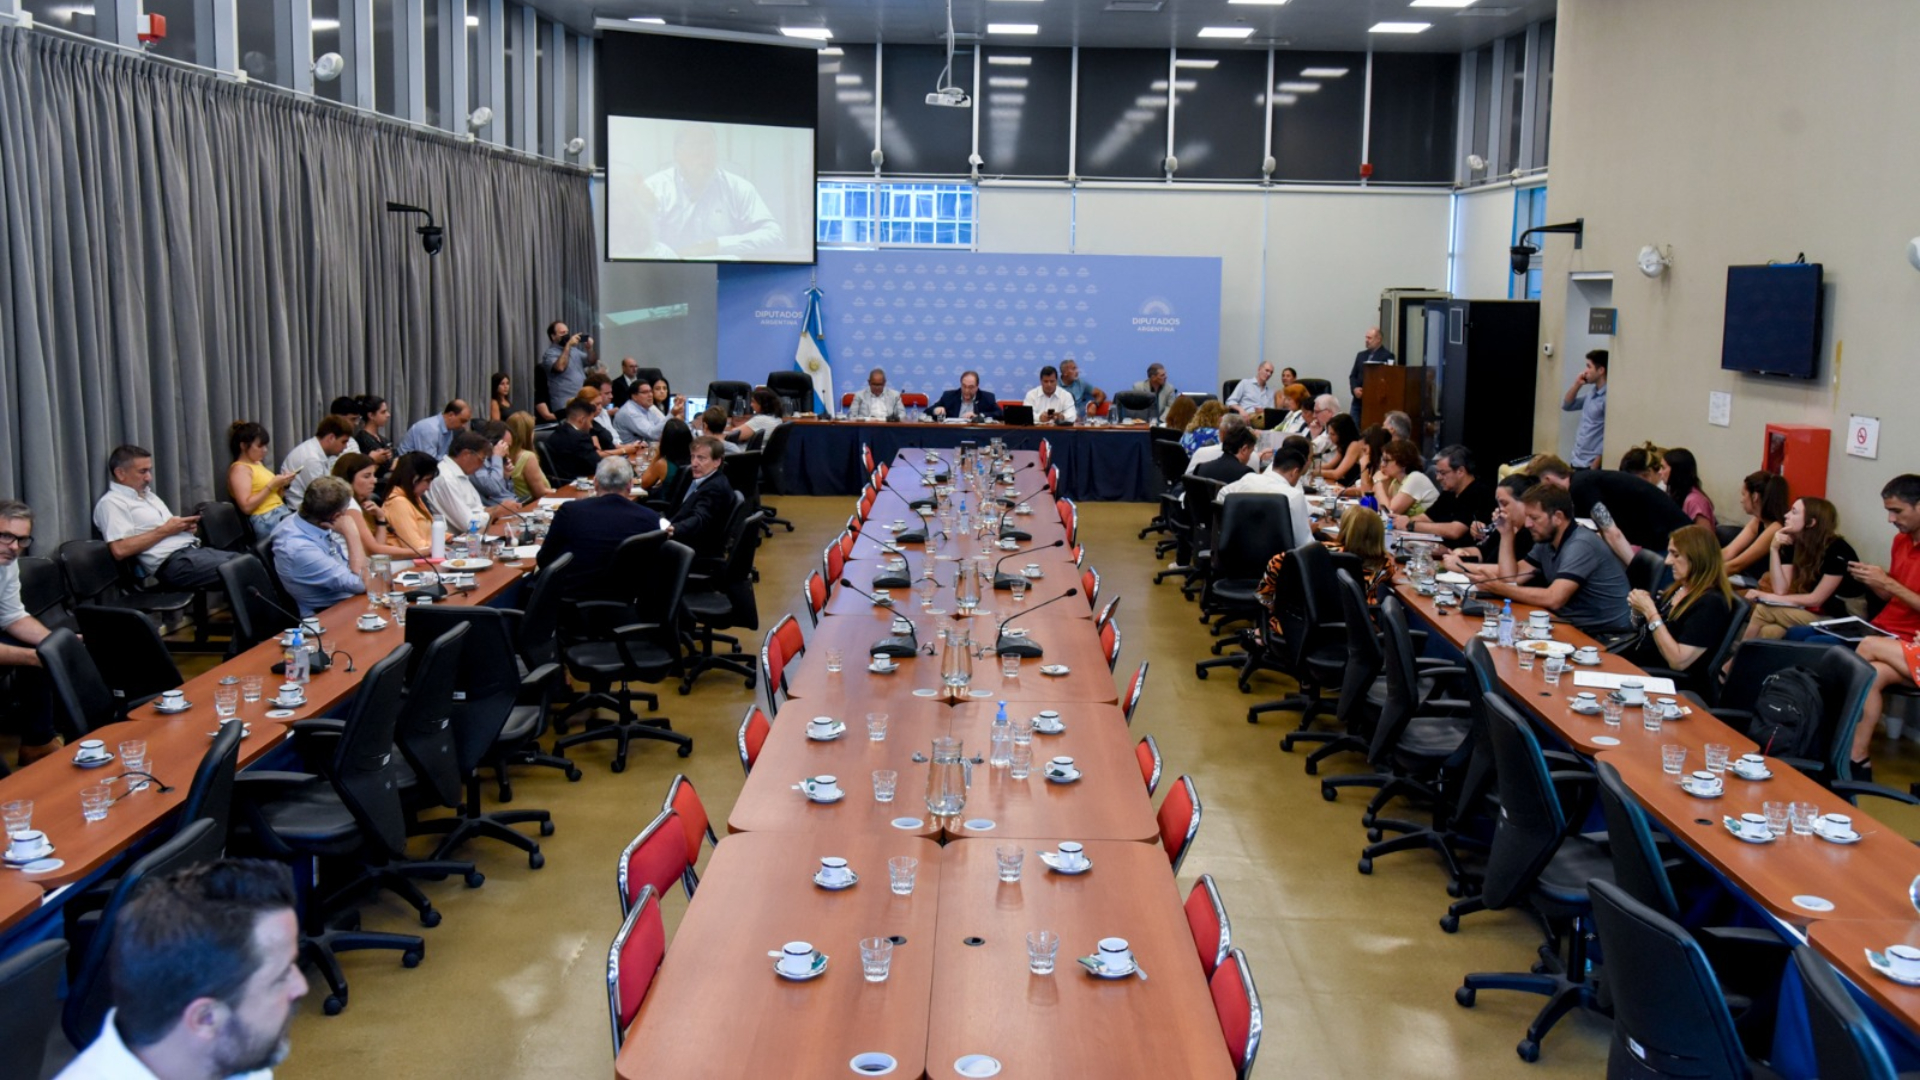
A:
(1462, 501)
(31, 706)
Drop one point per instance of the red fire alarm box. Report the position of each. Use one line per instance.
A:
(1799, 453)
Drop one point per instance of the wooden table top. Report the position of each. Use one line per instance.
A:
(1108, 802)
(1844, 942)
(756, 895)
(1070, 641)
(1069, 1023)
(1053, 580)
(768, 803)
(19, 896)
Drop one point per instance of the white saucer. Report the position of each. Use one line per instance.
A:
(887, 669)
(1033, 575)
(1733, 826)
(93, 763)
(907, 823)
(1595, 711)
(184, 706)
(1764, 774)
(977, 1065)
(1064, 778)
(468, 566)
(246, 732)
(1052, 859)
(1054, 669)
(1878, 961)
(1605, 740)
(979, 824)
(367, 628)
(1813, 903)
(1585, 663)
(838, 729)
(1101, 971)
(852, 880)
(283, 703)
(1699, 794)
(279, 714)
(22, 863)
(819, 968)
(1851, 838)
(1057, 729)
(825, 799)
(926, 691)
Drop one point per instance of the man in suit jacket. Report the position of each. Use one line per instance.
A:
(967, 401)
(700, 521)
(1376, 352)
(591, 529)
(1236, 446)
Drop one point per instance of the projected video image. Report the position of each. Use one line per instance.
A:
(679, 190)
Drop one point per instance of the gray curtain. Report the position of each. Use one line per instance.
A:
(178, 252)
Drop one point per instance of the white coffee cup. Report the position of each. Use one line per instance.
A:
(821, 787)
(1539, 618)
(1633, 691)
(1031, 568)
(27, 844)
(1667, 706)
(1904, 960)
(1072, 853)
(796, 957)
(92, 749)
(1584, 700)
(820, 725)
(1115, 955)
(1835, 825)
(1048, 718)
(1754, 825)
(1061, 766)
(1587, 654)
(1490, 628)
(1705, 781)
(173, 699)
(833, 870)
(883, 596)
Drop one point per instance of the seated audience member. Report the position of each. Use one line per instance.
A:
(1179, 415)
(1399, 486)
(1764, 499)
(491, 481)
(31, 706)
(1645, 461)
(713, 422)
(1363, 534)
(317, 552)
(435, 433)
(135, 523)
(676, 453)
(1486, 535)
(255, 488)
(1462, 500)
(1299, 405)
(452, 494)
(1680, 475)
(1211, 452)
(565, 362)
(967, 403)
(591, 529)
(768, 410)
(1251, 396)
(1325, 408)
(351, 408)
(700, 519)
(1644, 513)
(1400, 424)
(1688, 619)
(314, 458)
(1373, 454)
(876, 401)
(1236, 446)
(1807, 576)
(357, 470)
(1550, 468)
(1282, 477)
(205, 973)
(638, 420)
(623, 382)
(1339, 461)
(1080, 390)
(523, 461)
(1049, 403)
(1572, 572)
(571, 445)
(601, 388)
(1895, 659)
(1204, 428)
(1163, 392)
(406, 510)
(669, 402)
(500, 397)
(1288, 376)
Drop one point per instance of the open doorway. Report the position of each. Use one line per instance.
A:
(1585, 291)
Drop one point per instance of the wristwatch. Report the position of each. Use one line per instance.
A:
(1655, 625)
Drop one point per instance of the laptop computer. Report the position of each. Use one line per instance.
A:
(1017, 415)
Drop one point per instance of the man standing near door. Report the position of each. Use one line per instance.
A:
(1376, 352)
(1589, 440)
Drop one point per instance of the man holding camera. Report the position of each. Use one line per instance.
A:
(565, 363)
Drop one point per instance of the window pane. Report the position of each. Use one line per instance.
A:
(923, 206)
(259, 53)
(843, 142)
(1219, 114)
(1543, 97)
(1316, 134)
(569, 95)
(181, 29)
(1412, 133)
(431, 33)
(1028, 95)
(386, 46)
(923, 232)
(543, 142)
(1123, 124)
(922, 138)
(1482, 100)
(1513, 82)
(326, 39)
(475, 79)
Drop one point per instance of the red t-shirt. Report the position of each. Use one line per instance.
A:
(1896, 617)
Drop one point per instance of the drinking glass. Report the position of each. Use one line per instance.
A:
(1019, 590)
(1801, 816)
(877, 726)
(1525, 656)
(226, 701)
(1650, 717)
(1010, 666)
(1020, 758)
(883, 784)
(379, 580)
(1611, 711)
(133, 756)
(834, 659)
(1554, 665)
(17, 814)
(1776, 813)
(1042, 947)
(94, 802)
(876, 957)
(1716, 757)
(1673, 759)
(900, 872)
(250, 688)
(397, 603)
(1010, 857)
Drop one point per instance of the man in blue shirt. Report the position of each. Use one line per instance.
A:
(317, 551)
(1587, 442)
(1083, 392)
(565, 361)
(435, 433)
(1251, 396)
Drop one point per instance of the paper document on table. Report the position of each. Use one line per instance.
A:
(526, 551)
(1608, 680)
(552, 504)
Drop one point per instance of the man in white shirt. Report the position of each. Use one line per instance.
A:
(314, 458)
(30, 705)
(1282, 478)
(876, 402)
(1251, 396)
(1212, 450)
(638, 420)
(452, 495)
(706, 211)
(1325, 408)
(205, 971)
(135, 522)
(1050, 403)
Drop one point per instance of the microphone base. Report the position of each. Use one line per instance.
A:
(1475, 607)
(899, 648)
(1007, 532)
(920, 504)
(316, 663)
(1006, 581)
(1026, 650)
(435, 592)
(910, 538)
(891, 581)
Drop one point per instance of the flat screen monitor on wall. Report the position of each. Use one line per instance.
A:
(1773, 320)
(709, 149)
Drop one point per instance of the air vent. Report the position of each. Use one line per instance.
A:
(780, 3)
(1485, 13)
(1269, 42)
(1143, 7)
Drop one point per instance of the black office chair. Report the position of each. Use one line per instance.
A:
(650, 375)
(1845, 1045)
(1704, 677)
(1537, 862)
(43, 593)
(256, 617)
(724, 600)
(223, 527)
(1136, 402)
(1645, 569)
(1226, 388)
(795, 389)
(81, 699)
(30, 984)
(773, 475)
(742, 471)
(1316, 387)
(636, 641)
(730, 395)
(1170, 461)
(94, 576)
(1312, 646)
(1845, 681)
(1253, 528)
(1193, 530)
(351, 815)
(1669, 1018)
(1361, 692)
(127, 649)
(534, 629)
(544, 454)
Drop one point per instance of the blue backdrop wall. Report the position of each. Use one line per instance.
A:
(928, 316)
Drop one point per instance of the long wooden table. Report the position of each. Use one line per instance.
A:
(19, 896)
(1844, 942)
(1067, 639)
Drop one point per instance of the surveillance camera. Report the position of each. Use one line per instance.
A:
(976, 160)
(950, 96)
(877, 157)
(1522, 256)
(1268, 164)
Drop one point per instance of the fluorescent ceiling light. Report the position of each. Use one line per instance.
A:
(1013, 28)
(853, 97)
(473, 20)
(814, 33)
(647, 20)
(1265, 3)
(1178, 84)
(1239, 33)
(1298, 87)
(1147, 101)
(1008, 82)
(1397, 27)
(1442, 3)
(847, 80)
(1138, 116)
(1203, 65)
(1011, 61)
(1278, 99)
(1007, 99)
(1322, 72)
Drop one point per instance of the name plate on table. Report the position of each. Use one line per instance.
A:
(1607, 680)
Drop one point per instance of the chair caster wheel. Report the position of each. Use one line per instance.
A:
(1455, 890)
(685, 690)
(334, 1004)
(687, 750)
(506, 793)
(1286, 742)
(1374, 835)
(1329, 792)
(1366, 866)
(1451, 924)
(1538, 968)
(476, 879)
(573, 775)
(430, 917)
(1528, 1050)
(1200, 673)
(546, 827)
(1463, 997)
(409, 959)
(1313, 768)
(536, 860)
(619, 764)
(1366, 819)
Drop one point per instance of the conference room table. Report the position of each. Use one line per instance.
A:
(1097, 461)
(19, 898)
(1068, 639)
(880, 539)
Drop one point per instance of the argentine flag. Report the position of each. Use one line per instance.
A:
(811, 356)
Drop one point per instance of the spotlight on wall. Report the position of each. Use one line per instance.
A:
(1522, 253)
(479, 118)
(1475, 163)
(328, 66)
(575, 145)
(1913, 252)
(1654, 262)
(432, 237)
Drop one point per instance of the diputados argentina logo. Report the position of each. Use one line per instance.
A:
(1156, 317)
(779, 309)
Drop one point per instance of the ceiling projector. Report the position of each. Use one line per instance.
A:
(951, 96)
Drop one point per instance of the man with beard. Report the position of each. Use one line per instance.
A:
(205, 969)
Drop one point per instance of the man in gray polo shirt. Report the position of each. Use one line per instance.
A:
(1574, 573)
(567, 357)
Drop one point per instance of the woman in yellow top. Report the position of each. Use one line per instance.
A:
(523, 464)
(408, 518)
(255, 488)
(360, 473)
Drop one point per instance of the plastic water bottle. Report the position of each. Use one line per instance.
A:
(299, 663)
(1000, 743)
(473, 537)
(438, 550)
(1506, 624)
(1388, 544)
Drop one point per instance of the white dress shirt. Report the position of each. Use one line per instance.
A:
(307, 462)
(453, 496)
(108, 1058)
(123, 512)
(1059, 401)
(1272, 483)
(634, 424)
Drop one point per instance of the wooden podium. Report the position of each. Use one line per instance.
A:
(1391, 387)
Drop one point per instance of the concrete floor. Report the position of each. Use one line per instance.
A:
(1355, 976)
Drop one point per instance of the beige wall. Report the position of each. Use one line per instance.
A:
(1740, 131)
(1482, 235)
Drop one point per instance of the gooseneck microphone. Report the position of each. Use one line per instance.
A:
(1007, 531)
(1005, 581)
(891, 579)
(321, 659)
(895, 644)
(435, 591)
(1024, 647)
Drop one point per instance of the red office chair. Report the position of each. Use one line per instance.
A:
(1148, 753)
(782, 644)
(1046, 454)
(654, 860)
(913, 401)
(633, 961)
(692, 813)
(1179, 821)
(816, 594)
(846, 401)
(1106, 613)
(1207, 918)
(1098, 408)
(1090, 587)
(834, 558)
(753, 735)
(1069, 513)
(1053, 485)
(1110, 641)
(1079, 553)
(1006, 402)
(1237, 1002)
(866, 505)
(866, 452)
(1134, 689)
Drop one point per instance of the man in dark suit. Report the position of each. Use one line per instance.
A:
(590, 529)
(967, 401)
(571, 444)
(1236, 446)
(1376, 352)
(700, 521)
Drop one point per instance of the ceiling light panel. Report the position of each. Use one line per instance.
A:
(811, 33)
(1011, 61)
(1238, 33)
(1322, 72)
(1199, 65)
(1013, 28)
(1398, 27)
(1442, 3)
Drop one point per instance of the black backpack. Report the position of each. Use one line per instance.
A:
(1787, 712)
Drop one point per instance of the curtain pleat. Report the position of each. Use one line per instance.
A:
(178, 252)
